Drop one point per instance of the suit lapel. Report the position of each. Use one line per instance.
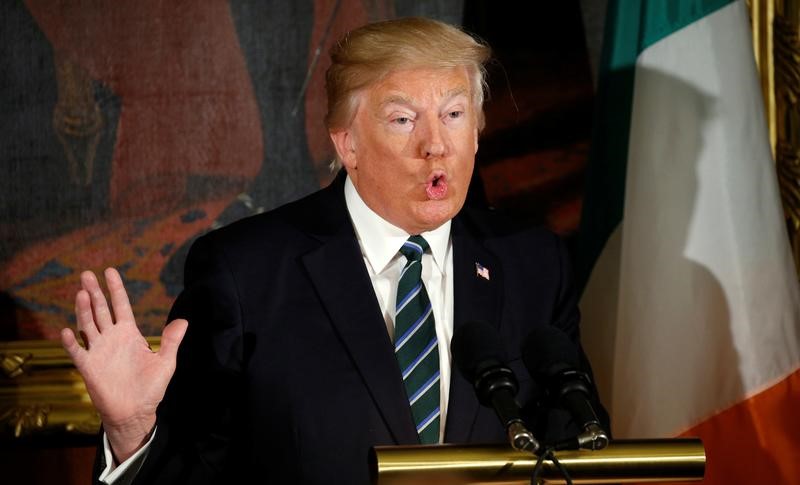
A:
(476, 298)
(339, 276)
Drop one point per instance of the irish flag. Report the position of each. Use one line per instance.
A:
(691, 308)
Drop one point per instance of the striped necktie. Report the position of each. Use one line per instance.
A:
(415, 343)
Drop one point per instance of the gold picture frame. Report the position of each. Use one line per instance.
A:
(43, 395)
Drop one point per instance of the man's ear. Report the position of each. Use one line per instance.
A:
(344, 142)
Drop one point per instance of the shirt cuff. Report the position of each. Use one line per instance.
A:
(127, 470)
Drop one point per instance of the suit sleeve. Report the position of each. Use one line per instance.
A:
(197, 418)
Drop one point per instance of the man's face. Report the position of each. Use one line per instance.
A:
(411, 147)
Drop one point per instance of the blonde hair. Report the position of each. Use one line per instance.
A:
(367, 54)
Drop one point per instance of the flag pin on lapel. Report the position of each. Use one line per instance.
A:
(482, 271)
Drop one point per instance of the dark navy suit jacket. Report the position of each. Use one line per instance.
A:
(287, 372)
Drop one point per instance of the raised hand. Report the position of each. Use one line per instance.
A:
(125, 379)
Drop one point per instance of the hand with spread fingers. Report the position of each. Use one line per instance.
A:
(125, 379)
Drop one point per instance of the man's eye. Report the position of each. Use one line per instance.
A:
(455, 114)
(402, 120)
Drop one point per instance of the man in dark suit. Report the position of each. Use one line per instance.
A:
(298, 357)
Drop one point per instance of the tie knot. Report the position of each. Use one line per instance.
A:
(413, 248)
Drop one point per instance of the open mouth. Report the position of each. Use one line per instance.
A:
(436, 188)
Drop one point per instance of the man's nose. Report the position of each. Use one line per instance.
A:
(433, 142)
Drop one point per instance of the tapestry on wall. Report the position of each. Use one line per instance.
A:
(129, 129)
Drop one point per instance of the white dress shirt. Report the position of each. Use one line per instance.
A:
(380, 243)
(127, 470)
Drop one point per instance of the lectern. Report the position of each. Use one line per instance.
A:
(623, 461)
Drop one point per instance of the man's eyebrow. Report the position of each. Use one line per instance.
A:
(397, 99)
(455, 92)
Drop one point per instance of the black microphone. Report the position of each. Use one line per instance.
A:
(478, 353)
(552, 360)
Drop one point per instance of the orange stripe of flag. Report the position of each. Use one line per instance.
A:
(756, 440)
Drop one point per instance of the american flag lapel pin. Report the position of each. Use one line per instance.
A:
(482, 271)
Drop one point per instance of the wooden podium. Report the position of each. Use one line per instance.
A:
(623, 461)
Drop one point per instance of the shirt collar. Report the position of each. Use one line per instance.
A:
(381, 240)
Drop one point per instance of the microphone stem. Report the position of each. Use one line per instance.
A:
(521, 439)
(593, 438)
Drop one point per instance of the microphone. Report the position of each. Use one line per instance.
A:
(552, 359)
(478, 353)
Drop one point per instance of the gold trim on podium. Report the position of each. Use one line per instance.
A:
(623, 461)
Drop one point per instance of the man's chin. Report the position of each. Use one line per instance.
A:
(434, 213)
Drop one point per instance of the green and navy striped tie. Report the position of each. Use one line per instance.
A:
(415, 343)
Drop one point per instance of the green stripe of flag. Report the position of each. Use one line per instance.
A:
(631, 26)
